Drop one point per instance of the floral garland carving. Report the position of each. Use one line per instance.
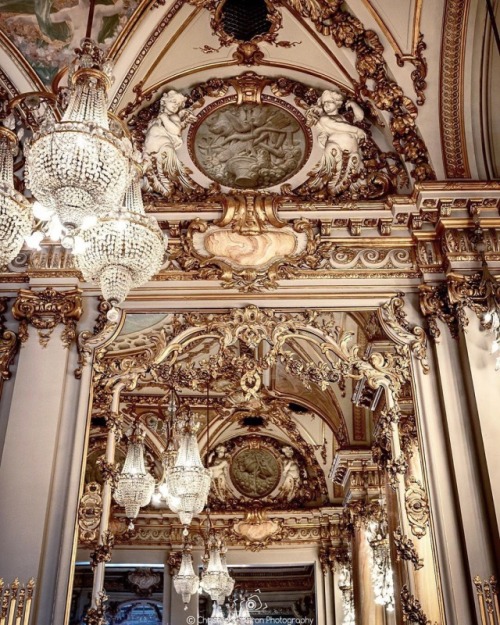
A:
(332, 19)
(419, 74)
(102, 552)
(406, 549)
(97, 615)
(412, 610)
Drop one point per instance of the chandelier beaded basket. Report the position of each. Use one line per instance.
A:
(188, 482)
(186, 582)
(78, 167)
(216, 580)
(135, 484)
(123, 249)
(16, 219)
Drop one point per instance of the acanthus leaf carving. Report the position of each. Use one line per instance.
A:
(393, 319)
(46, 309)
(412, 610)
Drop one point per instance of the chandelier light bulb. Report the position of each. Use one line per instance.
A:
(41, 212)
(16, 219)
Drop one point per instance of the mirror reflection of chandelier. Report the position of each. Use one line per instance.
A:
(186, 582)
(383, 587)
(215, 579)
(188, 482)
(135, 484)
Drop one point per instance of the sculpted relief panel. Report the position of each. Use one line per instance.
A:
(250, 146)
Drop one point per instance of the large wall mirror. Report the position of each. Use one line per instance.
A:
(244, 458)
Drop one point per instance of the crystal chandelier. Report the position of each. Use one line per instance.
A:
(135, 484)
(381, 571)
(188, 482)
(217, 617)
(79, 167)
(345, 586)
(186, 582)
(244, 617)
(121, 250)
(215, 580)
(16, 219)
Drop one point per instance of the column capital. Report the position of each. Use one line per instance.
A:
(357, 473)
(46, 309)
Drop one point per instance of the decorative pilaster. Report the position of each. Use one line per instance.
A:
(9, 344)
(44, 310)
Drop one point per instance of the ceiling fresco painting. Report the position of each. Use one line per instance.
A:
(46, 32)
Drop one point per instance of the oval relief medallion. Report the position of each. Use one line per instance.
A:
(255, 472)
(249, 146)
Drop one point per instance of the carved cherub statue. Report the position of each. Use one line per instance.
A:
(341, 166)
(164, 173)
(218, 464)
(291, 474)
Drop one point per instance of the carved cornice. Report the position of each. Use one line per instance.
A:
(44, 310)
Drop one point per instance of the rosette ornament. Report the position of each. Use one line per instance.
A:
(16, 219)
(79, 167)
(121, 250)
(135, 485)
(188, 482)
(186, 582)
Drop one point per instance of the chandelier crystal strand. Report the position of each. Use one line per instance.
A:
(215, 579)
(383, 587)
(16, 219)
(188, 482)
(135, 484)
(122, 250)
(244, 617)
(78, 167)
(217, 617)
(186, 582)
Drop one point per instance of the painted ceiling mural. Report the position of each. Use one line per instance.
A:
(47, 32)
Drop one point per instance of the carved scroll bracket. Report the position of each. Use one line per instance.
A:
(393, 319)
(44, 310)
(103, 333)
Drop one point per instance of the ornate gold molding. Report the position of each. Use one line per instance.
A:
(452, 89)
(89, 513)
(15, 602)
(417, 507)
(9, 344)
(487, 596)
(393, 319)
(44, 310)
